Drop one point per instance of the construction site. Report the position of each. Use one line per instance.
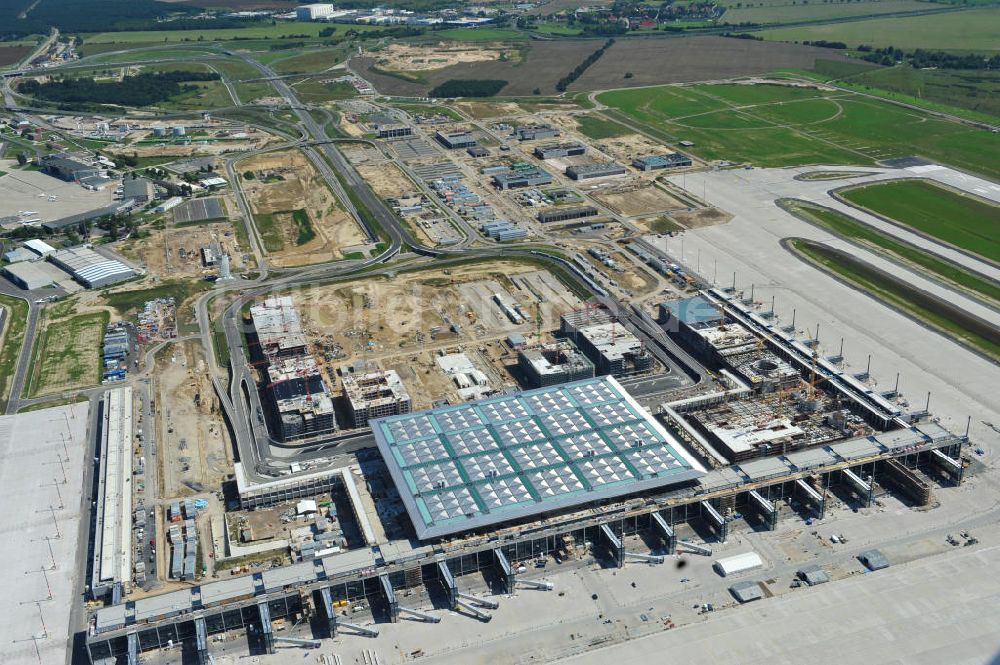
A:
(298, 218)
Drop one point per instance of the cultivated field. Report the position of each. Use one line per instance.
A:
(10, 55)
(286, 30)
(651, 61)
(957, 31)
(786, 11)
(777, 125)
(969, 223)
(67, 352)
(299, 219)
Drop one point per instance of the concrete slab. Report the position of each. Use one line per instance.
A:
(40, 529)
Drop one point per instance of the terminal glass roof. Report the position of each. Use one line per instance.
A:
(480, 463)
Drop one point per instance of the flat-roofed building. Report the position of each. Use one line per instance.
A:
(278, 327)
(654, 162)
(610, 346)
(552, 364)
(301, 401)
(591, 171)
(139, 190)
(535, 132)
(521, 178)
(391, 129)
(554, 150)
(68, 169)
(564, 214)
(375, 395)
(455, 140)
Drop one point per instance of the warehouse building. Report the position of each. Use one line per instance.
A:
(314, 12)
(57, 225)
(391, 129)
(301, 402)
(610, 346)
(535, 132)
(112, 563)
(531, 177)
(563, 214)
(139, 190)
(39, 247)
(68, 169)
(590, 171)
(30, 275)
(477, 151)
(502, 230)
(654, 162)
(277, 327)
(552, 364)
(553, 150)
(91, 269)
(375, 395)
(455, 140)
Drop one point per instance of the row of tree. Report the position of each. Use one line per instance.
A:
(567, 80)
(921, 58)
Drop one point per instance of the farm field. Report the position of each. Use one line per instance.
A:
(960, 220)
(299, 219)
(787, 11)
(970, 93)
(11, 55)
(846, 227)
(67, 353)
(691, 58)
(774, 125)
(972, 30)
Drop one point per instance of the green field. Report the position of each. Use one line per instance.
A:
(15, 321)
(596, 127)
(902, 297)
(67, 353)
(265, 31)
(157, 53)
(771, 125)
(846, 227)
(308, 61)
(479, 34)
(786, 11)
(973, 30)
(129, 302)
(237, 72)
(965, 222)
(313, 89)
(557, 29)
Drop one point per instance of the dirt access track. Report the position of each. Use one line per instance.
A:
(282, 183)
(425, 57)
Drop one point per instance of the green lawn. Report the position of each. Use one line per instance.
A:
(303, 226)
(15, 321)
(67, 353)
(315, 89)
(975, 30)
(770, 125)
(557, 29)
(128, 302)
(478, 34)
(309, 61)
(963, 221)
(596, 127)
(844, 226)
(283, 30)
(138, 53)
(270, 233)
(900, 296)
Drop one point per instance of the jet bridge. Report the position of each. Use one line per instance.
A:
(266, 629)
(768, 511)
(201, 640)
(812, 496)
(390, 598)
(448, 580)
(951, 466)
(326, 600)
(133, 649)
(861, 488)
(718, 521)
(615, 543)
(506, 571)
(668, 532)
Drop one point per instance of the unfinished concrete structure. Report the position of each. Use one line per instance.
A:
(375, 395)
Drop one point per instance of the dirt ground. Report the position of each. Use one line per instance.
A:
(296, 184)
(638, 200)
(386, 179)
(176, 252)
(195, 452)
(701, 217)
(425, 57)
(254, 140)
(402, 323)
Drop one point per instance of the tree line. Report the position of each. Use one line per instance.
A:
(921, 58)
(567, 80)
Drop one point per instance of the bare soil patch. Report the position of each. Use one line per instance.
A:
(286, 181)
(638, 199)
(405, 57)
